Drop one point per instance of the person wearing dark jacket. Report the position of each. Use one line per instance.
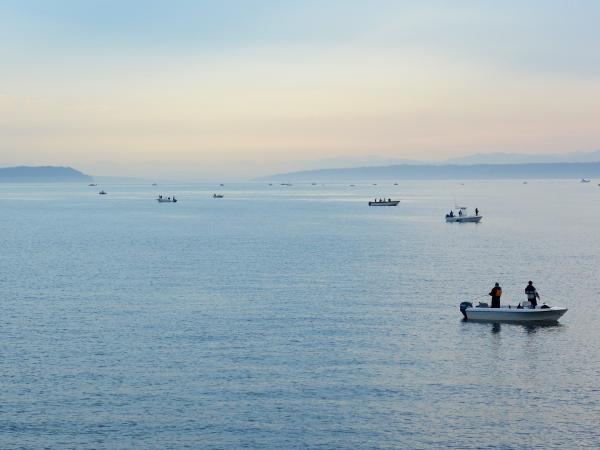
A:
(532, 294)
(496, 293)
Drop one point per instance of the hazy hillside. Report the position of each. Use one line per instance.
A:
(525, 158)
(45, 174)
(447, 171)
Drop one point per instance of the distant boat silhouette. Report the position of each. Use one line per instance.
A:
(162, 199)
(463, 216)
(384, 202)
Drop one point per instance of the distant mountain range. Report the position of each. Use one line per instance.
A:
(516, 158)
(479, 158)
(478, 166)
(448, 172)
(42, 174)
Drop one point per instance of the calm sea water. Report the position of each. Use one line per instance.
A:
(296, 317)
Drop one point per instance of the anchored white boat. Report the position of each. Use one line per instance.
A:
(463, 216)
(162, 199)
(519, 313)
(584, 180)
(389, 202)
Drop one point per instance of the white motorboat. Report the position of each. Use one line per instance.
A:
(389, 202)
(162, 199)
(583, 180)
(519, 313)
(463, 216)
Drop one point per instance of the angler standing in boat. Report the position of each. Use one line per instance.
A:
(532, 294)
(496, 293)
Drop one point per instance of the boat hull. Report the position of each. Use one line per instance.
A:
(165, 200)
(392, 203)
(464, 219)
(551, 314)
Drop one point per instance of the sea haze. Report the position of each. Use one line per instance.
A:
(296, 316)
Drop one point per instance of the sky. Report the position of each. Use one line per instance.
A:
(235, 89)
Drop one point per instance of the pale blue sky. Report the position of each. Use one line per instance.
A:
(199, 87)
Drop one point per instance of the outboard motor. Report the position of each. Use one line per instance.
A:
(463, 308)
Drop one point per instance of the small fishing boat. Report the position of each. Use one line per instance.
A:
(218, 196)
(463, 216)
(583, 180)
(102, 193)
(162, 199)
(520, 313)
(388, 202)
(92, 184)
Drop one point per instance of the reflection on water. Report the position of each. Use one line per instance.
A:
(530, 328)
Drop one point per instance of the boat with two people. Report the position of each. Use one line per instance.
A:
(519, 313)
(217, 196)
(526, 311)
(384, 202)
(163, 199)
(463, 216)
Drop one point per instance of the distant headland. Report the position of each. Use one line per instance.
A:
(42, 174)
